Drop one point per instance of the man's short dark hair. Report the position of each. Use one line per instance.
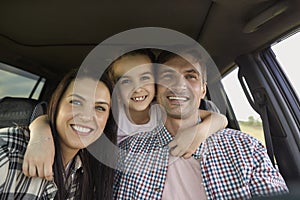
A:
(165, 56)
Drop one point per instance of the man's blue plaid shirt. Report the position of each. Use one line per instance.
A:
(234, 166)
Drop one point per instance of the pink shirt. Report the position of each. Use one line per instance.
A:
(184, 180)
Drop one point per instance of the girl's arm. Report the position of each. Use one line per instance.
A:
(39, 155)
(188, 140)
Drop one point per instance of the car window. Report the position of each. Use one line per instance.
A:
(249, 120)
(18, 83)
(287, 54)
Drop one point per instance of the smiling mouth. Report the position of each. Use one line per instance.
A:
(137, 99)
(81, 130)
(178, 98)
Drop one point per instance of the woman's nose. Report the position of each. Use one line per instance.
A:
(85, 118)
(86, 114)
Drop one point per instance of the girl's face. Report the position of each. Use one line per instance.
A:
(82, 113)
(135, 85)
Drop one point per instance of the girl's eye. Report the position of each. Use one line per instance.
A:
(144, 78)
(167, 76)
(125, 81)
(75, 102)
(100, 108)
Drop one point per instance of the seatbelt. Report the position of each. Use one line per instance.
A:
(260, 104)
(267, 133)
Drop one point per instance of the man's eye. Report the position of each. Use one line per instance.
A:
(100, 108)
(191, 76)
(75, 102)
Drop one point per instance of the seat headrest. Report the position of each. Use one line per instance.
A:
(19, 111)
(209, 106)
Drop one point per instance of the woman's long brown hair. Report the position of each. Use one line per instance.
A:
(95, 179)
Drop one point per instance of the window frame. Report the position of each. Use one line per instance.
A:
(37, 80)
(265, 78)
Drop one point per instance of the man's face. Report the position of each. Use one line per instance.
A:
(180, 87)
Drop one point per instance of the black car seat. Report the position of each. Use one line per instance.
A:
(19, 111)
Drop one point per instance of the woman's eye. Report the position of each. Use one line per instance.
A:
(100, 108)
(75, 102)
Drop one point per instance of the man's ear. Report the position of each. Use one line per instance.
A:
(204, 86)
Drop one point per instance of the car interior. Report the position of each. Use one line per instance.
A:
(45, 39)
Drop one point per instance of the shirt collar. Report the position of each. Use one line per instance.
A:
(203, 150)
(164, 136)
(78, 163)
(199, 151)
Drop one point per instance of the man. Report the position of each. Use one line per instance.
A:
(228, 165)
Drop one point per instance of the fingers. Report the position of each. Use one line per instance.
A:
(29, 170)
(172, 144)
(32, 171)
(177, 151)
(48, 174)
(25, 168)
(189, 152)
(44, 171)
(181, 149)
(40, 171)
(49, 177)
(187, 155)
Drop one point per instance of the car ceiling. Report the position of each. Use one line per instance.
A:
(49, 37)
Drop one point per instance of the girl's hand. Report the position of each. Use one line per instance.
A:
(188, 140)
(39, 155)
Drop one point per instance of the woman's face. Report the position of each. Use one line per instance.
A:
(135, 84)
(82, 113)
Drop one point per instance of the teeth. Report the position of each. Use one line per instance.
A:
(178, 98)
(139, 98)
(81, 129)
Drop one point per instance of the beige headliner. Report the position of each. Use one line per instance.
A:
(47, 38)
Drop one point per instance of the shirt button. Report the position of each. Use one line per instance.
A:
(157, 189)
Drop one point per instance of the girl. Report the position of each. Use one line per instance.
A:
(77, 117)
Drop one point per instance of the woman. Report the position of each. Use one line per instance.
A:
(79, 112)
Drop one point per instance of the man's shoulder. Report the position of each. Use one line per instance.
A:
(233, 135)
(231, 142)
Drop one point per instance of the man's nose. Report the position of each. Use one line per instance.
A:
(179, 83)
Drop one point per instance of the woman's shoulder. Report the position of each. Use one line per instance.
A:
(14, 138)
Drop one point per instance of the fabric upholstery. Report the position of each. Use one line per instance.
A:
(19, 111)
